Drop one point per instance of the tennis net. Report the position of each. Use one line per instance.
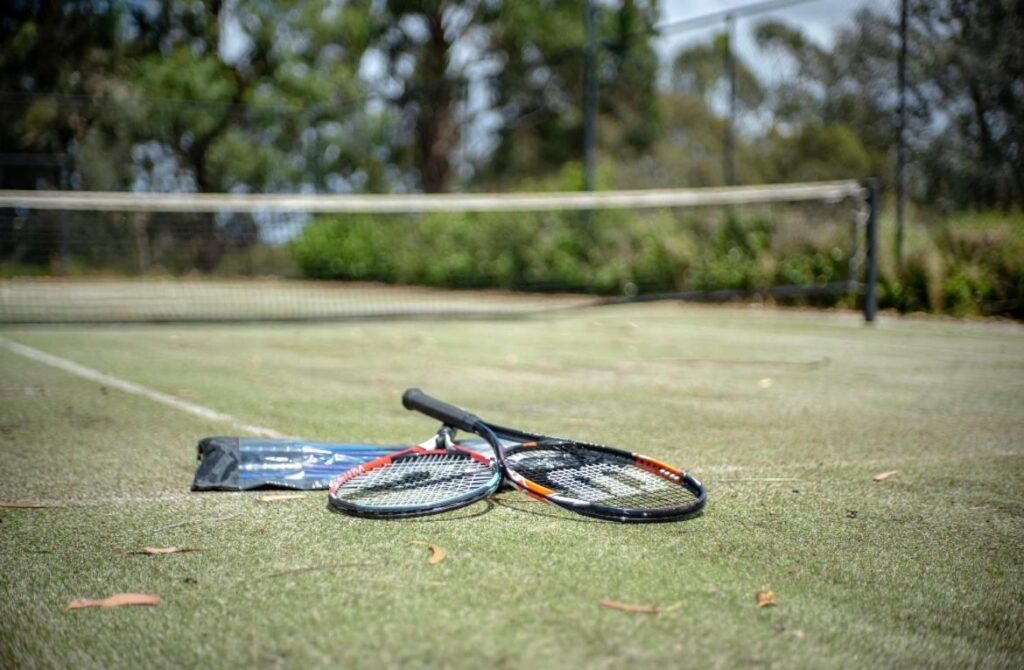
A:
(68, 256)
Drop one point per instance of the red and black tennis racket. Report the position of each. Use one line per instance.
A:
(435, 476)
(589, 479)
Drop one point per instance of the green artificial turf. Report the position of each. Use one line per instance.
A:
(786, 416)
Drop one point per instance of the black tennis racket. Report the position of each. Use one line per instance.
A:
(435, 476)
(590, 479)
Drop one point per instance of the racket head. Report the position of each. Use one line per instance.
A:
(415, 482)
(603, 482)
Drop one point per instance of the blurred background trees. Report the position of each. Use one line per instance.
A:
(436, 95)
(439, 95)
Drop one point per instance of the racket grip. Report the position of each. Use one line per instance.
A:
(415, 399)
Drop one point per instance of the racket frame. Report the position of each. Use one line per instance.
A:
(415, 399)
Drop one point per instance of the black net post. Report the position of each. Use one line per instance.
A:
(871, 250)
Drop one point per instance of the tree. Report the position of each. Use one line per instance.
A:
(537, 85)
(260, 95)
(966, 82)
(841, 99)
(57, 60)
(700, 71)
(971, 64)
(529, 55)
(419, 41)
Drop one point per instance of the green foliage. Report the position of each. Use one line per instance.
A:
(54, 52)
(964, 265)
(817, 152)
(606, 252)
(700, 70)
(538, 90)
(959, 267)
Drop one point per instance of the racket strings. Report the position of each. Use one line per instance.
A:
(598, 477)
(418, 480)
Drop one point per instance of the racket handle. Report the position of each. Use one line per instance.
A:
(442, 411)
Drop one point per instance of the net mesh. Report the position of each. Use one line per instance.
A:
(122, 257)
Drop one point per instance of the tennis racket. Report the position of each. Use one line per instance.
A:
(435, 476)
(590, 479)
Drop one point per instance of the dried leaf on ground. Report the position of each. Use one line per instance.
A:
(116, 600)
(882, 476)
(765, 598)
(23, 504)
(157, 551)
(437, 553)
(276, 497)
(640, 609)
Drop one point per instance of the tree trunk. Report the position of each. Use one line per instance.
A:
(436, 131)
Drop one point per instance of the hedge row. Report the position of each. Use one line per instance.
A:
(604, 252)
(959, 267)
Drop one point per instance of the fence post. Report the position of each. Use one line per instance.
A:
(729, 140)
(871, 250)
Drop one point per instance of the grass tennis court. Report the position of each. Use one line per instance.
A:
(785, 415)
(119, 300)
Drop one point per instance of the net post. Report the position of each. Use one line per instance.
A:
(871, 249)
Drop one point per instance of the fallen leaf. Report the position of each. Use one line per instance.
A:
(437, 553)
(20, 504)
(157, 551)
(276, 497)
(765, 383)
(639, 609)
(882, 476)
(116, 600)
(765, 598)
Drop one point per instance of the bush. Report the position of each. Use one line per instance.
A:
(966, 265)
(961, 266)
(606, 252)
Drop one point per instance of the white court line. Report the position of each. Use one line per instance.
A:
(136, 389)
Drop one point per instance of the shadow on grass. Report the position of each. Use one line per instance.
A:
(529, 506)
(458, 514)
